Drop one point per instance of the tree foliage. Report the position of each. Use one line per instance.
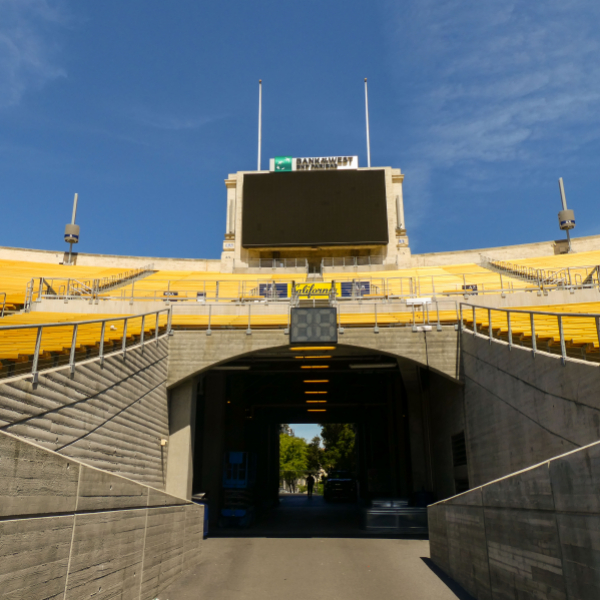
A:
(314, 455)
(292, 459)
(339, 440)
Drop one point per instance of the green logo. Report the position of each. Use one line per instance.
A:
(283, 163)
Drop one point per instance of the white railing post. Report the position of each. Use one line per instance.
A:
(563, 347)
(533, 340)
(249, 330)
(36, 356)
(376, 328)
(157, 327)
(142, 334)
(474, 322)
(124, 344)
(101, 351)
(490, 330)
(169, 317)
(73, 345)
(510, 340)
(208, 331)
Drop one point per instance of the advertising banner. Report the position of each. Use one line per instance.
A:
(282, 164)
(317, 291)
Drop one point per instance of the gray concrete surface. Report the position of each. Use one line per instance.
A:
(191, 352)
(306, 549)
(522, 409)
(110, 416)
(534, 534)
(72, 531)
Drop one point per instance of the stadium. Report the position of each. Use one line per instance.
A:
(471, 378)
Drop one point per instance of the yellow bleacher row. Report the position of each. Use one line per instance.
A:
(15, 275)
(561, 261)
(577, 331)
(16, 342)
(424, 281)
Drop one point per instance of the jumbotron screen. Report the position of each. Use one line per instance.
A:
(308, 208)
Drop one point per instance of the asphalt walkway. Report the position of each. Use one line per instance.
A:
(309, 550)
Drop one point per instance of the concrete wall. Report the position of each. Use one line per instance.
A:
(447, 418)
(112, 416)
(521, 409)
(111, 260)
(193, 351)
(519, 251)
(533, 535)
(71, 531)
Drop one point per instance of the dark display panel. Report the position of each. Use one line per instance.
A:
(313, 325)
(308, 208)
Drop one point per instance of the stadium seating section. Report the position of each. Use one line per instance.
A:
(451, 282)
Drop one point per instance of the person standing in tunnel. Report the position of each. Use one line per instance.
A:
(310, 484)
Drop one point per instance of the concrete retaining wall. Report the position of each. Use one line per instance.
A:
(71, 531)
(521, 410)
(190, 352)
(534, 534)
(112, 416)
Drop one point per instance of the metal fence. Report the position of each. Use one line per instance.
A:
(70, 288)
(41, 346)
(572, 335)
(351, 261)
(278, 263)
(362, 288)
(567, 277)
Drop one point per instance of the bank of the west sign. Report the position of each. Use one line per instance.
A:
(289, 163)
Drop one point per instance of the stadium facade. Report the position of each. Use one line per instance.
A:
(132, 387)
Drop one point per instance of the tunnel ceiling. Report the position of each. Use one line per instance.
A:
(309, 383)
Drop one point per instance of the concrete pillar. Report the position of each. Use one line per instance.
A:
(231, 184)
(418, 428)
(182, 419)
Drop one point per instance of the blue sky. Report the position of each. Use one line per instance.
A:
(143, 107)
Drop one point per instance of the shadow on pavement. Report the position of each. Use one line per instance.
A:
(452, 585)
(299, 516)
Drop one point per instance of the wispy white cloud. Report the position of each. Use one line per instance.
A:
(28, 46)
(499, 80)
(171, 122)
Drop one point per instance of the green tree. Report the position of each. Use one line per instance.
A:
(292, 459)
(314, 455)
(339, 440)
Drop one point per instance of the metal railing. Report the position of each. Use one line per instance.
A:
(278, 263)
(540, 337)
(3, 296)
(70, 288)
(366, 288)
(93, 346)
(567, 277)
(420, 316)
(351, 261)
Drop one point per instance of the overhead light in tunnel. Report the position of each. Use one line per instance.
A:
(374, 366)
(316, 381)
(309, 348)
(232, 368)
(311, 357)
(317, 410)
(316, 402)
(311, 392)
(314, 367)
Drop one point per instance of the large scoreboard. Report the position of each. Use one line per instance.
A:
(314, 208)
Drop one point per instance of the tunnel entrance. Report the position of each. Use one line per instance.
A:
(241, 405)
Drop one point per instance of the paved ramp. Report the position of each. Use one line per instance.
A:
(310, 550)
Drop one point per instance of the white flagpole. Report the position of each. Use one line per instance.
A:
(259, 120)
(367, 116)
